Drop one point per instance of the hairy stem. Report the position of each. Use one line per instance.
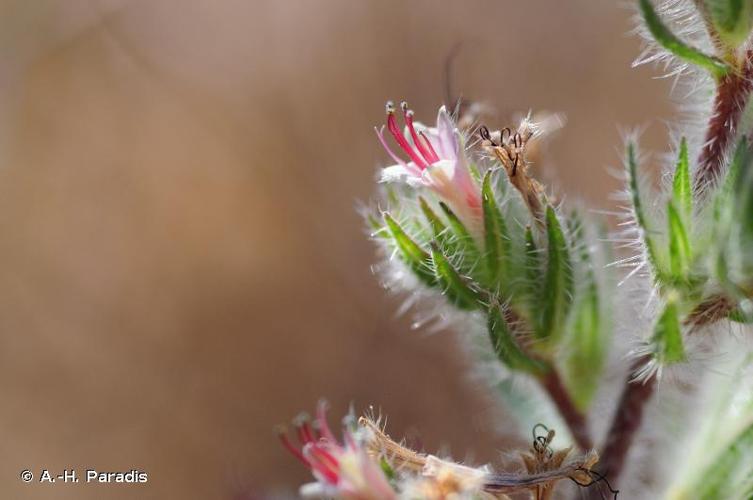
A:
(732, 93)
(552, 384)
(575, 420)
(625, 424)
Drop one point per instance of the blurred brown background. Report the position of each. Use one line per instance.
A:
(182, 264)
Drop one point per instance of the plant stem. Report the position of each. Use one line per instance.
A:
(575, 420)
(552, 384)
(732, 93)
(625, 424)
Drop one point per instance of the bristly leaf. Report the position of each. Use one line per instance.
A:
(497, 239)
(459, 290)
(640, 216)
(720, 479)
(679, 245)
(438, 228)
(416, 258)
(506, 347)
(738, 315)
(731, 18)
(682, 192)
(558, 280)
(533, 274)
(586, 347)
(667, 340)
(463, 241)
(586, 340)
(669, 41)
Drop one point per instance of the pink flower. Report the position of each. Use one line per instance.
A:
(343, 471)
(437, 161)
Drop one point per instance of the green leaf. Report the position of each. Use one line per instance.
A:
(465, 244)
(387, 469)
(497, 239)
(558, 280)
(586, 338)
(413, 255)
(731, 466)
(667, 340)
(438, 228)
(669, 41)
(379, 231)
(738, 315)
(506, 347)
(731, 18)
(586, 347)
(458, 289)
(533, 274)
(679, 245)
(640, 216)
(682, 193)
(474, 171)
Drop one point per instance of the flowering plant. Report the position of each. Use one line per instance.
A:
(549, 297)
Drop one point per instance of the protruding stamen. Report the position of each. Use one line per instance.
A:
(303, 429)
(324, 463)
(282, 433)
(408, 114)
(434, 156)
(321, 417)
(395, 131)
(380, 135)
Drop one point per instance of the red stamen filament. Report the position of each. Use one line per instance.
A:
(292, 449)
(395, 131)
(324, 463)
(408, 115)
(304, 433)
(380, 135)
(321, 417)
(434, 156)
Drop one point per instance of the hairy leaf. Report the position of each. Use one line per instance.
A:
(496, 237)
(462, 241)
(458, 289)
(682, 192)
(731, 19)
(667, 340)
(416, 258)
(669, 41)
(558, 280)
(506, 347)
(586, 339)
(640, 217)
(679, 245)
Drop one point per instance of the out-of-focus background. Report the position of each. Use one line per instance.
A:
(182, 264)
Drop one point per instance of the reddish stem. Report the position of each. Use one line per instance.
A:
(732, 93)
(625, 424)
(575, 420)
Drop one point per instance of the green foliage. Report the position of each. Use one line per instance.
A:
(731, 19)
(646, 231)
(682, 191)
(679, 245)
(669, 41)
(413, 255)
(667, 343)
(506, 347)
(586, 341)
(462, 241)
(496, 235)
(557, 290)
(458, 289)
